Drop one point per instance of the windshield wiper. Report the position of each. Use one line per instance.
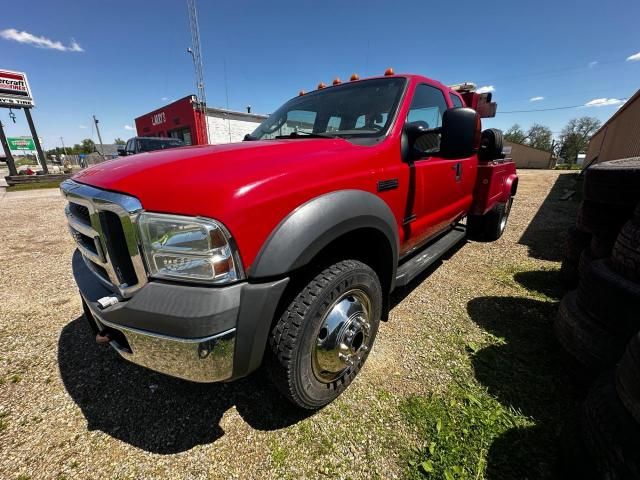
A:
(306, 135)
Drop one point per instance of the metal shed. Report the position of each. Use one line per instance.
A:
(619, 137)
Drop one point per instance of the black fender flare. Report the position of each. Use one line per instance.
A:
(302, 234)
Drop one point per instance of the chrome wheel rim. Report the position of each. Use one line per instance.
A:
(507, 210)
(344, 336)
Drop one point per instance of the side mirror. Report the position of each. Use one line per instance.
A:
(415, 130)
(460, 133)
(121, 151)
(417, 138)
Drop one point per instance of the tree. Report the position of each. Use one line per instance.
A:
(119, 141)
(575, 137)
(87, 146)
(515, 134)
(540, 137)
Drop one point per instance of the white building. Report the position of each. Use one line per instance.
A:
(227, 126)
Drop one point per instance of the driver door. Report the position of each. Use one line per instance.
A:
(433, 203)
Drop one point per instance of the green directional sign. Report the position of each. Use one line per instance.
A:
(21, 143)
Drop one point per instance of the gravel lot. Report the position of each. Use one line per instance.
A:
(72, 409)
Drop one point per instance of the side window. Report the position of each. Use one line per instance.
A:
(130, 148)
(456, 100)
(427, 107)
(334, 124)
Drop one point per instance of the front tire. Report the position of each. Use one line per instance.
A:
(324, 336)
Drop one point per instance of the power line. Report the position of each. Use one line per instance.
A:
(541, 109)
(549, 109)
(551, 72)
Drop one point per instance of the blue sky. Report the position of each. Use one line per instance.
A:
(134, 58)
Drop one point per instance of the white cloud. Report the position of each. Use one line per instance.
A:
(128, 127)
(633, 58)
(593, 64)
(164, 99)
(536, 99)
(82, 126)
(603, 102)
(486, 89)
(40, 42)
(75, 47)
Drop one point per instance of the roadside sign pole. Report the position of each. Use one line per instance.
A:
(36, 140)
(7, 152)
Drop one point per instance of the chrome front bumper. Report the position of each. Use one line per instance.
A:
(208, 359)
(194, 333)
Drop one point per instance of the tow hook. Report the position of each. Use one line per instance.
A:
(102, 339)
(105, 302)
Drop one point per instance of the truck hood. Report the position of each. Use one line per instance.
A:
(204, 179)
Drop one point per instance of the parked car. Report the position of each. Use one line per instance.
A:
(202, 263)
(148, 144)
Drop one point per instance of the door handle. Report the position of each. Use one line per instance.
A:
(458, 168)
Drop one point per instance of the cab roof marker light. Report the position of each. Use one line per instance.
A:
(337, 81)
(354, 77)
(321, 85)
(301, 93)
(388, 72)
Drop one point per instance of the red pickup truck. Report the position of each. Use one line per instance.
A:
(206, 262)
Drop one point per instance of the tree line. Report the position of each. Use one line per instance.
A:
(86, 146)
(574, 137)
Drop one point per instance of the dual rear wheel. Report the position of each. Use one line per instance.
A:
(491, 225)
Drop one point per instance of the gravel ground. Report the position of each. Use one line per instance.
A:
(72, 409)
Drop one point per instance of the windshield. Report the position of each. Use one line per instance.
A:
(151, 144)
(360, 109)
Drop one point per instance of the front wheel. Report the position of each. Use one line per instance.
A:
(324, 336)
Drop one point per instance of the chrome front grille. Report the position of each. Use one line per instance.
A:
(103, 225)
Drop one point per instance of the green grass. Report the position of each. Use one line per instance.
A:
(28, 161)
(567, 166)
(502, 415)
(278, 456)
(3, 421)
(458, 430)
(33, 186)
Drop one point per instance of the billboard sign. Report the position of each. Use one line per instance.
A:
(21, 143)
(14, 90)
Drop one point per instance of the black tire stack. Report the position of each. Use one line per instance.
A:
(611, 191)
(598, 323)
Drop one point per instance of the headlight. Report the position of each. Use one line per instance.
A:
(188, 248)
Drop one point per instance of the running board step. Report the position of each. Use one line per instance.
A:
(423, 260)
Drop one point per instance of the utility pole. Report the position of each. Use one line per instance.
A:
(36, 140)
(64, 149)
(7, 152)
(95, 120)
